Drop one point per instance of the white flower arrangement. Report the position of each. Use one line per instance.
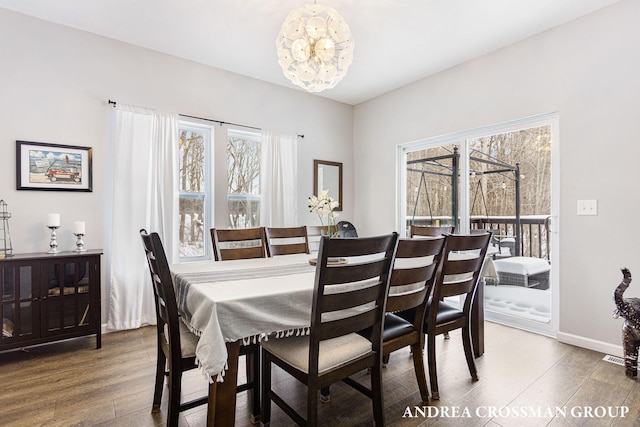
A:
(323, 205)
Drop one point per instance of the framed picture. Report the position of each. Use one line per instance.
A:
(42, 166)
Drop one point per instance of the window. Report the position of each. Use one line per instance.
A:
(243, 178)
(196, 198)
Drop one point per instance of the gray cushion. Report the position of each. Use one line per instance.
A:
(333, 352)
(188, 340)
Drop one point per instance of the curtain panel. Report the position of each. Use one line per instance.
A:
(144, 195)
(279, 180)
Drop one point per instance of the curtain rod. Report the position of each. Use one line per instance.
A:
(211, 120)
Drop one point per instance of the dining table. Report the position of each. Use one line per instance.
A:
(239, 302)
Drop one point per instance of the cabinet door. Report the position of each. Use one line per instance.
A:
(19, 306)
(67, 284)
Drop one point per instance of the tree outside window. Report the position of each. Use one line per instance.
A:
(194, 191)
(243, 179)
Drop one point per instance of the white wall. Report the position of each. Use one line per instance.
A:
(54, 87)
(588, 70)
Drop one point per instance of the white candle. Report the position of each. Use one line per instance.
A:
(54, 220)
(78, 227)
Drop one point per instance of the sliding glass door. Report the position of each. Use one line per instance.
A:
(495, 179)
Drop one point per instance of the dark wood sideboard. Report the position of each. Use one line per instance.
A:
(49, 297)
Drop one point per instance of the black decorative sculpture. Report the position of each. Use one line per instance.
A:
(629, 309)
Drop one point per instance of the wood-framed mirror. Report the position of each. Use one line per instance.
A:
(328, 176)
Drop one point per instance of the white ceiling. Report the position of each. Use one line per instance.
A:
(396, 41)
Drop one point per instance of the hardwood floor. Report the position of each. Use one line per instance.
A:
(73, 384)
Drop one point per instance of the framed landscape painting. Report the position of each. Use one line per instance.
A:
(42, 166)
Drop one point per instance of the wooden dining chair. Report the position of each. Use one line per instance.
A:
(314, 233)
(458, 275)
(431, 231)
(287, 240)
(428, 230)
(176, 345)
(347, 298)
(239, 243)
(411, 283)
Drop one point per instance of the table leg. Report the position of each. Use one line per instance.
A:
(221, 410)
(477, 320)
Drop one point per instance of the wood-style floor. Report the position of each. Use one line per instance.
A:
(73, 384)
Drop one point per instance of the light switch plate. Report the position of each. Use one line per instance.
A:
(587, 207)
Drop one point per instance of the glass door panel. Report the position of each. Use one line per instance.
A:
(16, 309)
(510, 194)
(431, 186)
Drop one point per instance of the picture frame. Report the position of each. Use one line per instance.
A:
(327, 175)
(53, 167)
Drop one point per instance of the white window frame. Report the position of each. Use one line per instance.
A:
(209, 194)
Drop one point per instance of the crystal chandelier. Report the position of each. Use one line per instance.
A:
(315, 47)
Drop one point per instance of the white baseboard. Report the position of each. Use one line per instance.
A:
(599, 346)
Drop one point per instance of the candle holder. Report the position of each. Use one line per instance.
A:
(79, 242)
(53, 244)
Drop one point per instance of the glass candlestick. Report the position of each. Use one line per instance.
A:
(53, 244)
(79, 242)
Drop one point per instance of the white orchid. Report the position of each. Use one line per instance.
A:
(323, 205)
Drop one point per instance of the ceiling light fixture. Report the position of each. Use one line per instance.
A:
(315, 47)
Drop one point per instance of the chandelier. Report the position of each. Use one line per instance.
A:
(315, 47)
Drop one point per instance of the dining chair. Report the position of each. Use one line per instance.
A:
(346, 229)
(239, 243)
(244, 243)
(176, 345)
(347, 298)
(314, 233)
(429, 230)
(411, 283)
(287, 240)
(458, 274)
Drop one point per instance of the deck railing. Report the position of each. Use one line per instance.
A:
(534, 231)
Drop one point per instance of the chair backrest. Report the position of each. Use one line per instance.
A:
(413, 274)
(462, 259)
(241, 243)
(428, 230)
(350, 297)
(494, 241)
(346, 229)
(163, 292)
(314, 232)
(287, 240)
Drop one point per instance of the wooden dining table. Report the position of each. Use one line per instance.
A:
(233, 303)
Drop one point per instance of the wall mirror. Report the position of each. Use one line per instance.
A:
(328, 176)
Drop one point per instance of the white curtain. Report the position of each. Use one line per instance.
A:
(279, 180)
(144, 195)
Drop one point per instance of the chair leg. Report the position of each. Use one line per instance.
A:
(175, 384)
(265, 409)
(468, 352)
(252, 363)
(312, 405)
(418, 367)
(433, 374)
(325, 394)
(161, 363)
(377, 397)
